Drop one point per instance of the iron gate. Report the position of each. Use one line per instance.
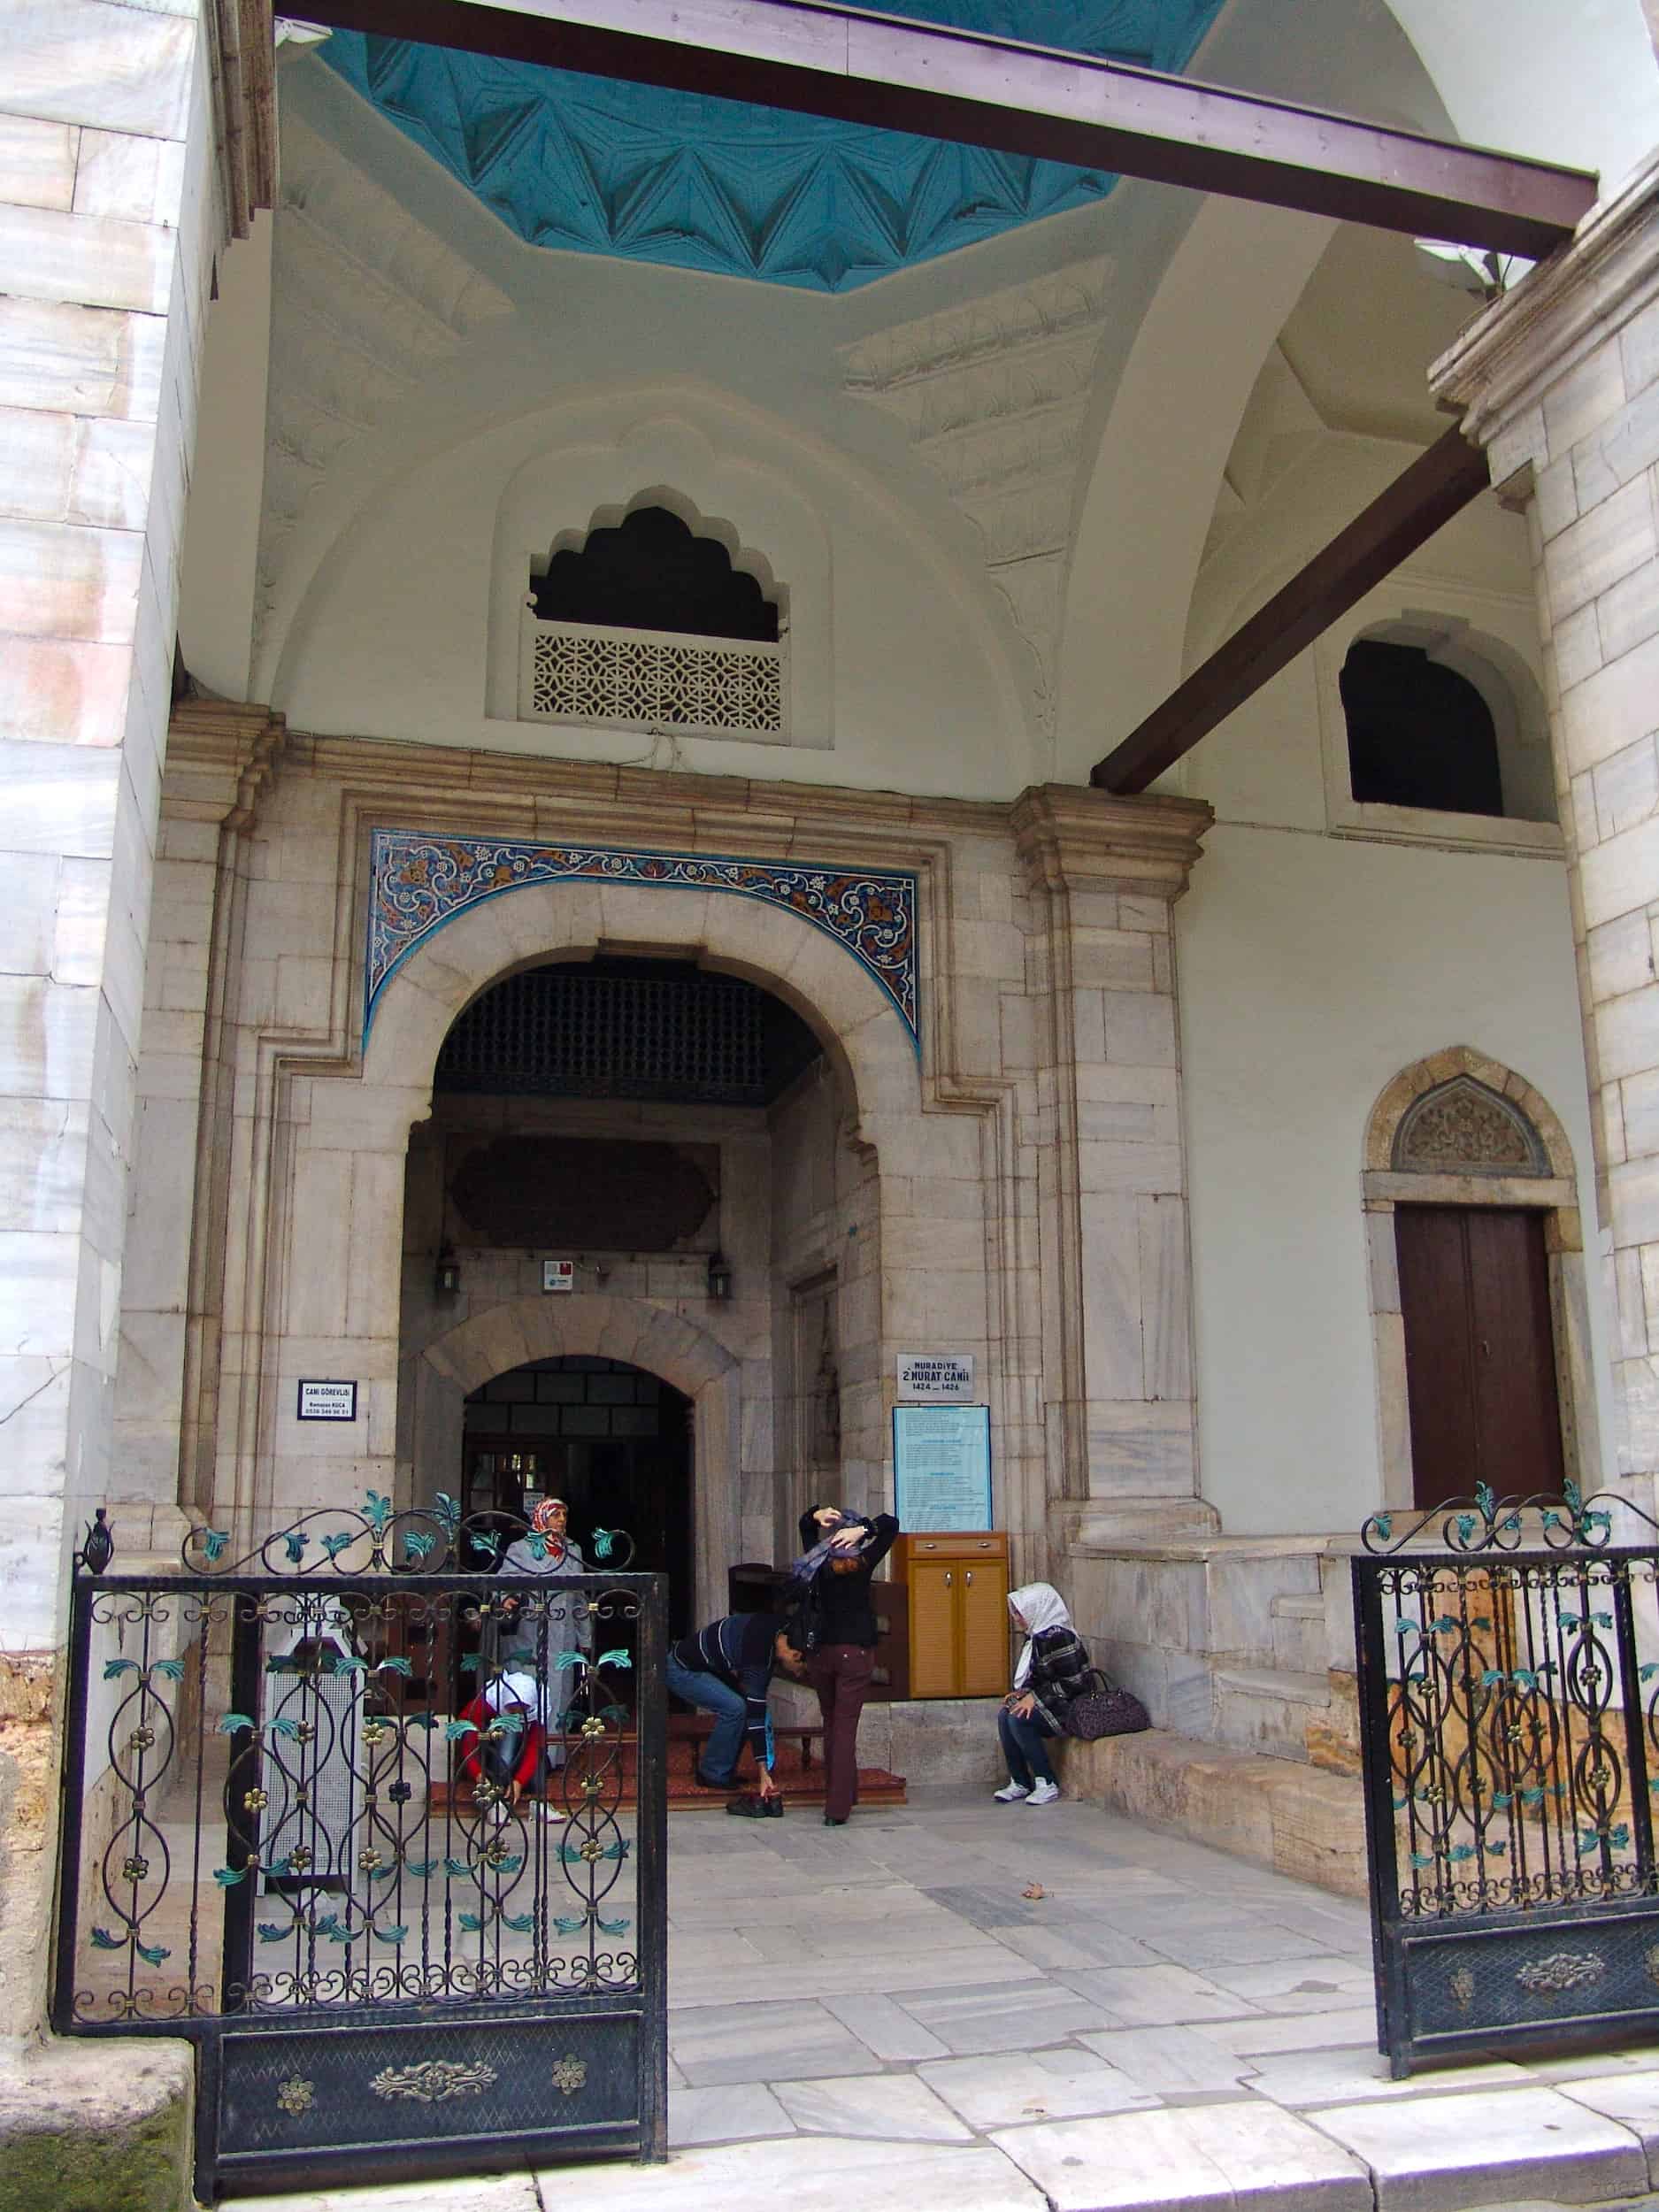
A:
(380, 1828)
(1509, 1698)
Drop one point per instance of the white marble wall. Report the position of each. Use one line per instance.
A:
(1561, 381)
(108, 226)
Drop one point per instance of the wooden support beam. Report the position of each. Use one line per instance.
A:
(819, 60)
(1438, 485)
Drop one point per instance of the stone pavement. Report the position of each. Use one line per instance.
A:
(881, 2016)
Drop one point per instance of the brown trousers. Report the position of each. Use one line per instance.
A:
(840, 1675)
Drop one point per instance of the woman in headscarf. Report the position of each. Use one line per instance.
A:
(1052, 1670)
(837, 1631)
(539, 1629)
(504, 1761)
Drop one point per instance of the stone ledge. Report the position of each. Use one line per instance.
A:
(97, 2127)
(1296, 1819)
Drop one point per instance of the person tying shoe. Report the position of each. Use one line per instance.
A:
(837, 1632)
(726, 1669)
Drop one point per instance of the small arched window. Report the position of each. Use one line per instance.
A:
(652, 573)
(1418, 734)
(649, 624)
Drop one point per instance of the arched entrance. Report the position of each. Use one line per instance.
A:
(614, 1442)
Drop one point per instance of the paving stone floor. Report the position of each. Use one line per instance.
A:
(879, 2016)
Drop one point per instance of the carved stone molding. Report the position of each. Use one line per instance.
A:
(1461, 1080)
(1463, 1128)
(367, 302)
(221, 757)
(1072, 839)
(993, 396)
(1561, 313)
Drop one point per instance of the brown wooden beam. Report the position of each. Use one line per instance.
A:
(1438, 485)
(818, 59)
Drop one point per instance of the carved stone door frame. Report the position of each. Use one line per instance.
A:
(1459, 1129)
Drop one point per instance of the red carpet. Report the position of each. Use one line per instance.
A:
(799, 1771)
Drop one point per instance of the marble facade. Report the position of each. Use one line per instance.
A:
(965, 1185)
(208, 1161)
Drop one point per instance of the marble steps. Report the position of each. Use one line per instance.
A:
(1301, 1645)
(1266, 1710)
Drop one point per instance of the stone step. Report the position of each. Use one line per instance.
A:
(1292, 1818)
(1266, 1708)
(1300, 1641)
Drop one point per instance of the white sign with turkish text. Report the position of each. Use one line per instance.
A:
(941, 1375)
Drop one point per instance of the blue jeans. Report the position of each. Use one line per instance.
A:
(1023, 1743)
(722, 1750)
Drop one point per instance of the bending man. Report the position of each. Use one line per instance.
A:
(726, 1669)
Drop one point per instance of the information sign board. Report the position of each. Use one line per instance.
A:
(941, 1467)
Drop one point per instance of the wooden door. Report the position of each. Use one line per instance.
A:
(933, 1628)
(1480, 1353)
(983, 1607)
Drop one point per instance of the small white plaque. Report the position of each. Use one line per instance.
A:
(944, 1378)
(327, 1401)
(558, 1274)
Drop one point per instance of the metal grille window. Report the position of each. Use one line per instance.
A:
(646, 679)
(570, 1033)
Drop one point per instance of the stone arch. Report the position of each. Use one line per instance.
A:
(1462, 1064)
(691, 1358)
(844, 1004)
(1150, 497)
(1458, 1128)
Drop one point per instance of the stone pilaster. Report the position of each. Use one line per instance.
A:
(220, 757)
(1111, 1161)
(112, 207)
(1559, 382)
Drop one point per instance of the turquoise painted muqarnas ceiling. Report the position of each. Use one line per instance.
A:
(585, 164)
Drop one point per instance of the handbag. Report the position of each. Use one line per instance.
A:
(1105, 1709)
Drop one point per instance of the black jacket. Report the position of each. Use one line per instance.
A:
(837, 1609)
(738, 1650)
(1059, 1672)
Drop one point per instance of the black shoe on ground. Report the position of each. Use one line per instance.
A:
(711, 1782)
(754, 1808)
(830, 1821)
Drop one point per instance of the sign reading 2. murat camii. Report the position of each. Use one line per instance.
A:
(941, 1375)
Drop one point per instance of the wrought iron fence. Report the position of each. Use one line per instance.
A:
(383, 1831)
(1509, 1688)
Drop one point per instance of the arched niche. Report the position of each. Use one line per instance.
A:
(1460, 1129)
(682, 1352)
(858, 1024)
(578, 483)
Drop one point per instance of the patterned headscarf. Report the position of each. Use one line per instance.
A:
(542, 1517)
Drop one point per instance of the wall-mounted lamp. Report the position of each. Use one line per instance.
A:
(448, 1279)
(720, 1278)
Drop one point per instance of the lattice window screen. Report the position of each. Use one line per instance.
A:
(646, 679)
(571, 1033)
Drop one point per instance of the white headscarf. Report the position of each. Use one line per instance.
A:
(509, 1690)
(1040, 1605)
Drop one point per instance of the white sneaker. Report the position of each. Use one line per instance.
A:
(1011, 1795)
(1044, 1793)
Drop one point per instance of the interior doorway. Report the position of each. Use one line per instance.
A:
(1480, 1351)
(614, 1442)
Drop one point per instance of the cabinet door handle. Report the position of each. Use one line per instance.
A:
(947, 1578)
(968, 1577)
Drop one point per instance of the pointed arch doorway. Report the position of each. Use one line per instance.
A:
(611, 1439)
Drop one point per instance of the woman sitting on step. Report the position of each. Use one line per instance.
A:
(1053, 1668)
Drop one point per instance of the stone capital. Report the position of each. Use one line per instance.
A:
(1498, 371)
(1071, 838)
(220, 757)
